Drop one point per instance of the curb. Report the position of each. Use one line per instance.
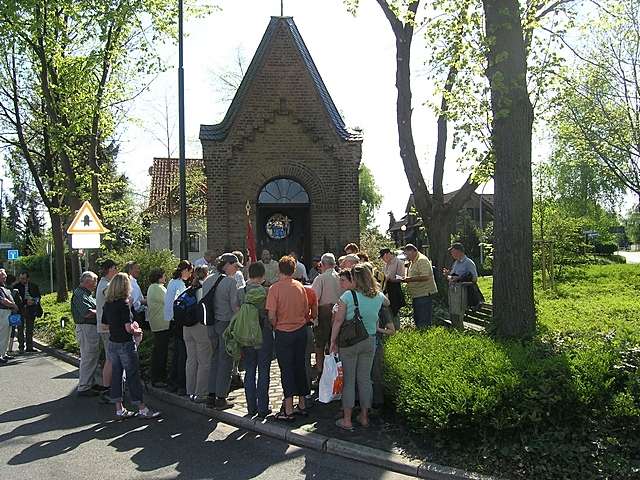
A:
(300, 437)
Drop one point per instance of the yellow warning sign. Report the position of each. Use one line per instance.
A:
(86, 221)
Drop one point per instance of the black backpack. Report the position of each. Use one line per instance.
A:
(206, 307)
(185, 308)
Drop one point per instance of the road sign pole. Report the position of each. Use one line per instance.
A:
(50, 253)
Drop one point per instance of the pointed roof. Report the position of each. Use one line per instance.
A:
(220, 131)
(164, 182)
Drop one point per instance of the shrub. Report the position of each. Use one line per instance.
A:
(148, 260)
(605, 248)
(563, 405)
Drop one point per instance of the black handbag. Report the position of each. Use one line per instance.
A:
(352, 331)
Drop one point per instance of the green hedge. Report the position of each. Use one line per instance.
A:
(564, 405)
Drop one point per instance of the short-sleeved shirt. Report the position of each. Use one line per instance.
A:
(288, 300)
(225, 299)
(312, 300)
(116, 315)
(419, 267)
(136, 295)
(5, 293)
(395, 268)
(327, 287)
(271, 272)
(175, 287)
(464, 266)
(369, 309)
(81, 302)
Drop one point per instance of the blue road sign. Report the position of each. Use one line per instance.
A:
(13, 254)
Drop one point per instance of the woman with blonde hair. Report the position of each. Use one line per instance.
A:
(364, 300)
(123, 348)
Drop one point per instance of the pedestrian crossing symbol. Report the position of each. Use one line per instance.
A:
(86, 221)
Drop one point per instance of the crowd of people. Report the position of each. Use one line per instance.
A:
(220, 316)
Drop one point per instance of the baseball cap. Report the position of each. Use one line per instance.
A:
(226, 258)
(457, 246)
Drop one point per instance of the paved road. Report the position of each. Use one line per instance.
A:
(46, 432)
(632, 257)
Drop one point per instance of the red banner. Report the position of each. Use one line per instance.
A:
(251, 242)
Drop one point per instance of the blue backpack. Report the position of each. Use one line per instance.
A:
(185, 308)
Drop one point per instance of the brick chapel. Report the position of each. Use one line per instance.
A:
(283, 148)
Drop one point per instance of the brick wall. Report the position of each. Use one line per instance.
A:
(282, 130)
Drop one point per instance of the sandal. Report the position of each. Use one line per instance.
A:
(341, 425)
(300, 411)
(282, 415)
(363, 425)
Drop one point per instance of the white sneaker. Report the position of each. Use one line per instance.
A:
(148, 414)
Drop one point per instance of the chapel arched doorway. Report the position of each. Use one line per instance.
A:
(283, 219)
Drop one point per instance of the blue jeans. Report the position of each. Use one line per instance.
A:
(260, 360)
(124, 357)
(423, 311)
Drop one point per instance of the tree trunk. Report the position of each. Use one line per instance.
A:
(514, 311)
(61, 268)
(439, 231)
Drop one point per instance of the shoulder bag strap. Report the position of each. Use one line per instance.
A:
(212, 292)
(356, 311)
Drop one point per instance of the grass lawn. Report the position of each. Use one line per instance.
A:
(598, 299)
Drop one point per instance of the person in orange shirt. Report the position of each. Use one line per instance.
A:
(288, 309)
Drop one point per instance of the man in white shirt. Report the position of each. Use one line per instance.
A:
(209, 259)
(394, 272)
(271, 272)
(109, 270)
(138, 302)
(327, 288)
(240, 281)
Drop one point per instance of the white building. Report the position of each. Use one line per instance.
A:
(164, 209)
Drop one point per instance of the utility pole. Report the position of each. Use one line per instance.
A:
(184, 254)
(1, 205)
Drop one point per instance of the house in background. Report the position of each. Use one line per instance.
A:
(164, 209)
(478, 211)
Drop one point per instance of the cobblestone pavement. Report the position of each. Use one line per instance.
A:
(275, 391)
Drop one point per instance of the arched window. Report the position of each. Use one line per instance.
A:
(283, 190)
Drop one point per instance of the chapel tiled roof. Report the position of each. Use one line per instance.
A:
(164, 182)
(220, 131)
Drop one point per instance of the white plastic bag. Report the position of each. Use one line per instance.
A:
(332, 380)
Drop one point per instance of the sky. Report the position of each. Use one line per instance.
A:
(355, 57)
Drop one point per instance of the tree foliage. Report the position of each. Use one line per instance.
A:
(67, 71)
(370, 198)
(598, 115)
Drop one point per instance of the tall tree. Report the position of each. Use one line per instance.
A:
(435, 212)
(599, 106)
(69, 69)
(514, 311)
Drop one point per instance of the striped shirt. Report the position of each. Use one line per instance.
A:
(81, 303)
